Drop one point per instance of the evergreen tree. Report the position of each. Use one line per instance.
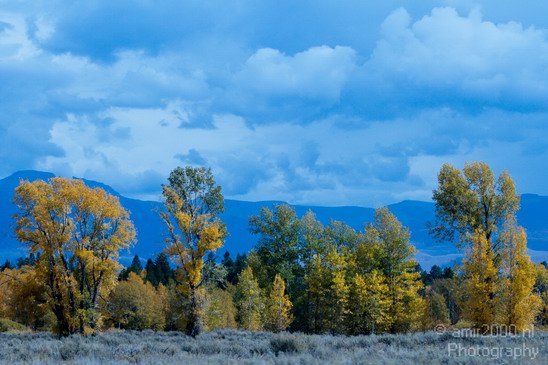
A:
(164, 273)
(135, 267)
(6, 265)
(151, 273)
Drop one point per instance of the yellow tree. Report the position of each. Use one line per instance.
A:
(25, 299)
(249, 301)
(279, 306)
(78, 231)
(394, 255)
(193, 202)
(337, 290)
(519, 304)
(136, 305)
(220, 311)
(481, 280)
(369, 304)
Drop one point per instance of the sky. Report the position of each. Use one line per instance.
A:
(333, 103)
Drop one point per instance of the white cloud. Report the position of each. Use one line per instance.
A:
(318, 73)
(453, 58)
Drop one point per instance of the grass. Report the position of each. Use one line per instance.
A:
(240, 347)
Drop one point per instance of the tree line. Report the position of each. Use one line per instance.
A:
(301, 276)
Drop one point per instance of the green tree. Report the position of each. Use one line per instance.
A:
(250, 303)
(278, 246)
(135, 267)
(472, 201)
(193, 202)
(220, 311)
(396, 263)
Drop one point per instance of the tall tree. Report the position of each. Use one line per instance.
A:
(481, 280)
(193, 202)
(517, 299)
(135, 267)
(472, 200)
(278, 311)
(395, 260)
(278, 246)
(78, 231)
(249, 300)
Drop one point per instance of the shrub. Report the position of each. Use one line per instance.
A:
(7, 325)
(286, 343)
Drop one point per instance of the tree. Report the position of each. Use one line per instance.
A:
(78, 232)
(481, 280)
(6, 265)
(519, 303)
(24, 297)
(193, 202)
(277, 249)
(135, 267)
(249, 302)
(136, 305)
(403, 281)
(278, 315)
(437, 311)
(220, 311)
(472, 201)
(369, 304)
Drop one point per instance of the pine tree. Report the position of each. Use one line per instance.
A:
(249, 301)
(279, 306)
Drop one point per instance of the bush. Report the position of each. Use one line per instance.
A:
(7, 325)
(286, 343)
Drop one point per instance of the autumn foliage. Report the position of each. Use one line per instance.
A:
(302, 275)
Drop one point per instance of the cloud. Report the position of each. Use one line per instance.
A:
(466, 62)
(353, 104)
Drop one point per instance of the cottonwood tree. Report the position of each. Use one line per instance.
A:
(517, 301)
(478, 211)
(78, 232)
(193, 202)
(472, 200)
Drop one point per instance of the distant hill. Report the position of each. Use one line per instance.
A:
(151, 231)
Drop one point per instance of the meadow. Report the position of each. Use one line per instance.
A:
(243, 347)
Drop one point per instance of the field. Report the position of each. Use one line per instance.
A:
(239, 347)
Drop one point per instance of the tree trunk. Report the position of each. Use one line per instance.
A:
(195, 320)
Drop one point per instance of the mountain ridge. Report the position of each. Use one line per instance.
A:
(151, 231)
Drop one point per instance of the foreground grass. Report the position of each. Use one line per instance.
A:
(239, 347)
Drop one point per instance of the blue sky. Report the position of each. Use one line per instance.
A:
(316, 102)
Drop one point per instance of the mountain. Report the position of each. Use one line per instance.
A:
(151, 232)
